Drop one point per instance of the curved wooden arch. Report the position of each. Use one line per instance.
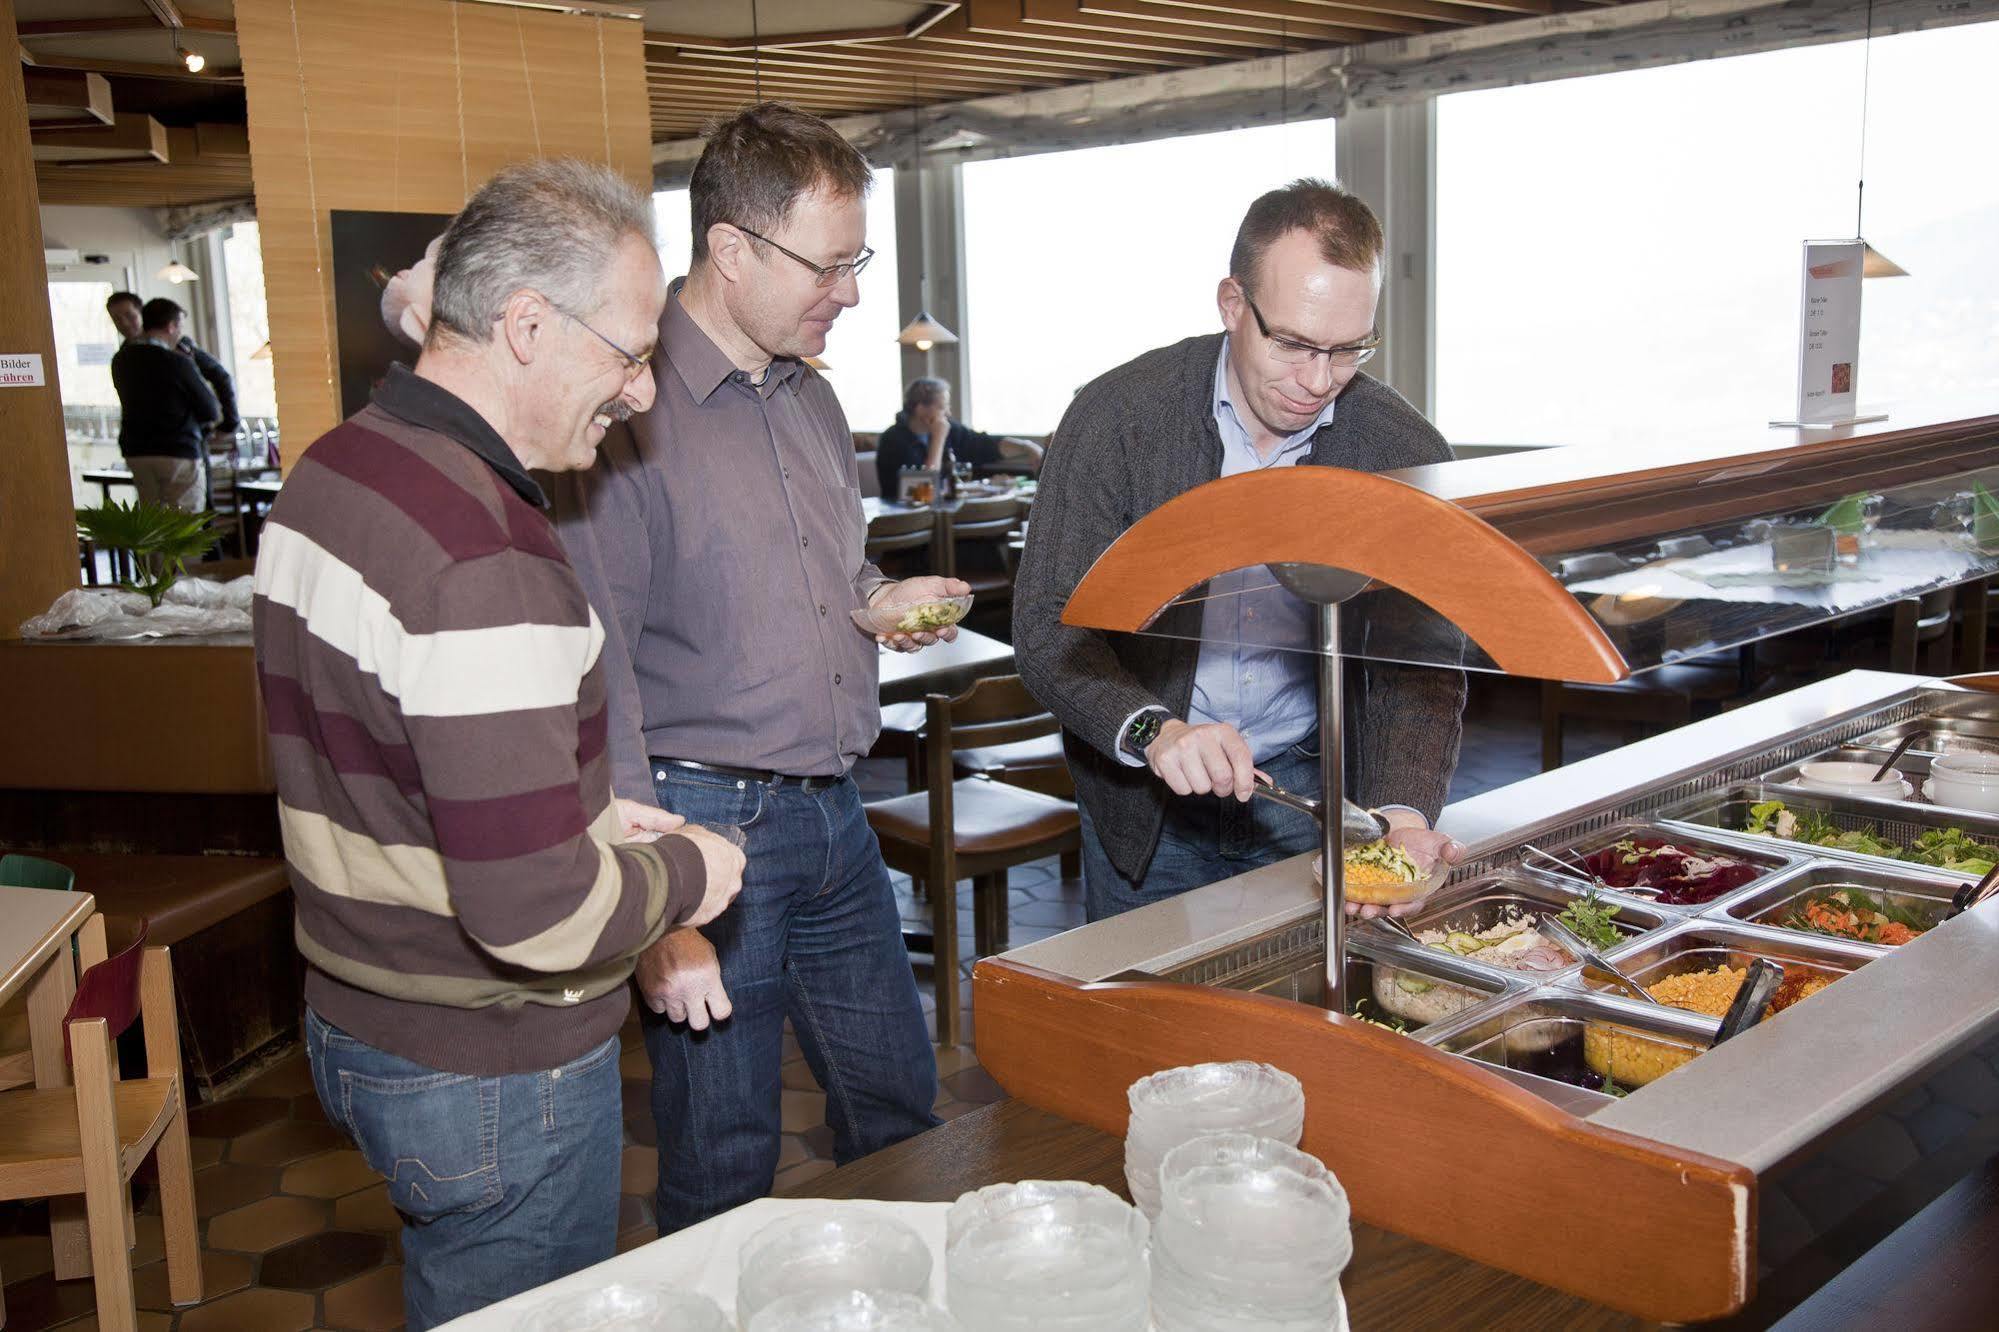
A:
(1444, 556)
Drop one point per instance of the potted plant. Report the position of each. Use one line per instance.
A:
(161, 540)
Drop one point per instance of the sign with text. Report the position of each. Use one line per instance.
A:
(1829, 332)
(21, 370)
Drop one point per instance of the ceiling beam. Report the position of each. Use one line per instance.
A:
(1138, 18)
(781, 41)
(98, 27)
(134, 69)
(1279, 16)
(126, 136)
(66, 96)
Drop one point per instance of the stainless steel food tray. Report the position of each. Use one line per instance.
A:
(1481, 903)
(1704, 943)
(1768, 855)
(1926, 895)
(1722, 813)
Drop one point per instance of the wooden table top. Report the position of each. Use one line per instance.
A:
(947, 668)
(34, 922)
(1932, 1273)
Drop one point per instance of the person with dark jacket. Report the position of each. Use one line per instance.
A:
(1164, 734)
(924, 424)
(166, 411)
(126, 311)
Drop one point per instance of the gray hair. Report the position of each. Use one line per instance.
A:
(924, 391)
(553, 225)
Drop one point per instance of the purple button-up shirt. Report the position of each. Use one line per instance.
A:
(721, 539)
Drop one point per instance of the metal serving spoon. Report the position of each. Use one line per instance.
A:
(1583, 874)
(1589, 957)
(1899, 750)
(1971, 894)
(1752, 1000)
(1356, 824)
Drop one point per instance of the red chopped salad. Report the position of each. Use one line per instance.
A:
(1683, 877)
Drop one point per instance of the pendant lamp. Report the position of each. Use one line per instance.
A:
(922, 332)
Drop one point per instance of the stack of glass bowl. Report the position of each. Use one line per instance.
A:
(1179, 1104)
(833, 1251)
(1046, 1256)
(1252, 1236)
(622, 1308)
(850, 1311)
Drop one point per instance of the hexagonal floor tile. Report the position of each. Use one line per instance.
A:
(221, 1274)
(639, 1172)
(803, 1109)
(975, 1085)
(263, 1226)
(261, 1309)
(368, 1209)
(329, 1175)
(321, 1260)
(223, 1188)
(804, 1172)
(369, 1303)
(147, 1321)
(284, 1142)
(236, 1116)
(287, 1078)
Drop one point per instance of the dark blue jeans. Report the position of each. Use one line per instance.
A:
(1205, 840)
(814, 936)
(504, 1183)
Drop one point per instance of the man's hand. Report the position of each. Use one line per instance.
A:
(680, 977)
(1209, 759)
(722, 863)
(914, 592)
(638, 822)
(1426, 846)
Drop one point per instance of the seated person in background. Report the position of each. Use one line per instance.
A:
(166, 412)
(924, 435)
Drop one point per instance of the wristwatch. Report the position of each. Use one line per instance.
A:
(1144, 729)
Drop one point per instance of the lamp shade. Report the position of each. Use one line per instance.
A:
(923, 333)
(177, 273)
(1875, 264)
(263, 352)
(816, 363)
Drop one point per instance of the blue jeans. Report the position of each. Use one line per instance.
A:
(1205, 840)
(503, 1183)
(814, 936)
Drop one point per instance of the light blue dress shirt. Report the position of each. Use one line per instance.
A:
(1256, 669)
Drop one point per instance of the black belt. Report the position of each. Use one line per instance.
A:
(758, 775)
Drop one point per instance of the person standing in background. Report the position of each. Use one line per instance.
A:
(126, 309)
(165, 411)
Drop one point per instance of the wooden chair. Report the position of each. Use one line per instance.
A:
(974, 828)
(979, 554)
(90, 1138)
(17, 1057)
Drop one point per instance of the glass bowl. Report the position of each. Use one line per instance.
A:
(852, 1311)
(887, 620)
(830, 1249)
(621, 1308)
(1386, 894)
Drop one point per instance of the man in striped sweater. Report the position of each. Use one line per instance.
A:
(470, 897)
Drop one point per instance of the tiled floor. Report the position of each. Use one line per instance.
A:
(298, 1233)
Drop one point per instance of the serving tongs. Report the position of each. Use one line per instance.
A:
(1589, 957)
(1584, 874)
(1356, 824)
(1752, 1000)
(1971, 894)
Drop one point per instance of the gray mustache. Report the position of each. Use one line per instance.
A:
(615, 410)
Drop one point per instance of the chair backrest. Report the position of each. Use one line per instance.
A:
(996, 710)
(110, 990)
(33, 872)
(900, 530)
(985, 519)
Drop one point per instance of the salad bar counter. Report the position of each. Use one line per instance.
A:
(1556, 1012)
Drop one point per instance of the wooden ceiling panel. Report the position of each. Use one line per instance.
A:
(852, 58)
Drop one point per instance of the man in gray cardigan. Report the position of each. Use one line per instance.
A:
(1165, 730)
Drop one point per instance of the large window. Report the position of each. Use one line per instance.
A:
(85, 342)
(862, 360)
(249, 323)
(1076, 262)
(1617, 256)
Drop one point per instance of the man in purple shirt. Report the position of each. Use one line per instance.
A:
(721, 540)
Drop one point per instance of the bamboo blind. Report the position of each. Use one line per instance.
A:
(406, 106)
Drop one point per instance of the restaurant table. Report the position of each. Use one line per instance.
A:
(107, 477)
(36, 929)
(1934, 1273)
(942, 668)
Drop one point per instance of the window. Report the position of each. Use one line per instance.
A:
(85, 341)
(1617, 256)
(863, 362)
(249, 352)
(1076, 262)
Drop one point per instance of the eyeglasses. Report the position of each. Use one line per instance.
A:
(829, 275)
(638, 363)
(1292, 352)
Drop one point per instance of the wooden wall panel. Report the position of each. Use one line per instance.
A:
(406, 106)
(37, 530)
